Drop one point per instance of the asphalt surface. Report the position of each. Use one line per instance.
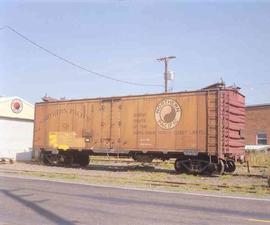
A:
(39, 202)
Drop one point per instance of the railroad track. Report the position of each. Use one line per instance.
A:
(211, 187)
(114, 159)
(202, 185)
(6, 160)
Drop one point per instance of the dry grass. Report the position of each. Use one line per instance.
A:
(258, 159)
(157, 175)
(148, 177)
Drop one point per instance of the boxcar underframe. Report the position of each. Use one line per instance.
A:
(191, 162)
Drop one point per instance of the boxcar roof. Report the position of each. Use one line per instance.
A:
(203, 90)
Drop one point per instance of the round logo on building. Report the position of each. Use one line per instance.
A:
(167, 113)
(16, 105)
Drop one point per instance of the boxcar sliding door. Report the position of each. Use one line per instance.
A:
(110, 123)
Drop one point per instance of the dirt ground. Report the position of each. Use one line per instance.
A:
(158, 175)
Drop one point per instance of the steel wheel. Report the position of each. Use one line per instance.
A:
(220, 167)
(83, 159)
(179, 168)
(68, 159)
(230, 166)
(44, 160)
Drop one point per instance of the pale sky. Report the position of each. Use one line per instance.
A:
(123, 39)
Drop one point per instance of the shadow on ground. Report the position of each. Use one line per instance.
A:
(33, 205)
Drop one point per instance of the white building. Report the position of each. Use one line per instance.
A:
(16, 128)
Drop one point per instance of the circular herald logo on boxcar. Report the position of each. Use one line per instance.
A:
(16, 105)
(167, 113)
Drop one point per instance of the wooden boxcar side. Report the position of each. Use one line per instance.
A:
(131, 123)
(182, 125)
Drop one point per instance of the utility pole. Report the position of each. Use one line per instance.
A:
(166, 60)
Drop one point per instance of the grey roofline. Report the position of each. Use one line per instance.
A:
(258, 105)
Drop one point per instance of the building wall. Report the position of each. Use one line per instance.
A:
(26, 109)
(16, 128)
(16, 139)
(257, 121)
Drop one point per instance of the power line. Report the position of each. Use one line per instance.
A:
(75, 64)
(91, 71)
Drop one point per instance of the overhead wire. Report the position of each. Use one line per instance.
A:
(86, 69)
(75, 64)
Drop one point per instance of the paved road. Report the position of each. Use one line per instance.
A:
(39, 202)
